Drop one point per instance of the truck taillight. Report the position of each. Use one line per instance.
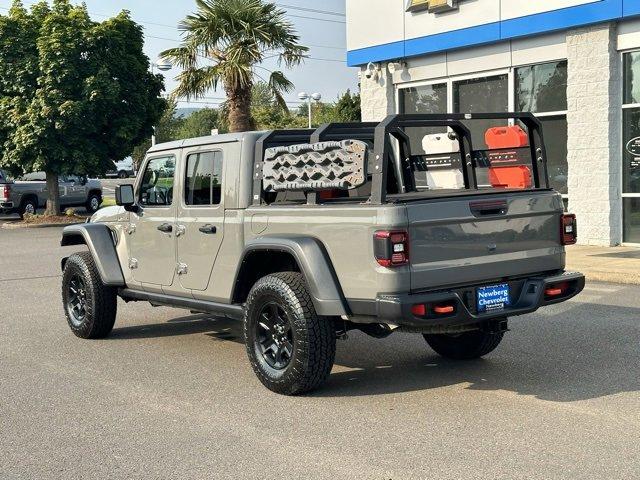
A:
(391, 248)
(568, 229)
(6, 190)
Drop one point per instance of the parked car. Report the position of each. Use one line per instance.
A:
(29, 193)
(122, 169)
(304, 236)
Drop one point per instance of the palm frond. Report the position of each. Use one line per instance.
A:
(279, 84)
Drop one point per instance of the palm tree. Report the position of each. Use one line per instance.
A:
(224, 42)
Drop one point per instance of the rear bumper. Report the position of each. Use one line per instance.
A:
(528, 295)
(7, 207)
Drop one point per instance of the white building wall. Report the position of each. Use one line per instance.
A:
(594, 95)
(377, 95)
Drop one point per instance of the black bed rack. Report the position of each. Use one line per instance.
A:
(379, 134)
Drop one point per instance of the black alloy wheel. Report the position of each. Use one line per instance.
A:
(274, 336)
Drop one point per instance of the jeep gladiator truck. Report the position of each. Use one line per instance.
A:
(27, 195)
(304, 235)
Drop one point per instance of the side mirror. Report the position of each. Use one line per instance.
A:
(125, 197)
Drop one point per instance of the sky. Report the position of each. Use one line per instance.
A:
(325, 72)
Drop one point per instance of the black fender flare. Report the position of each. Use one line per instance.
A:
(98, 238)
(315, 265)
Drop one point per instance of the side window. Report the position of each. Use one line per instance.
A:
(157, 182)
(203, 182)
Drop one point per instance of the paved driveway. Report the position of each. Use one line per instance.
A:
(171, 395)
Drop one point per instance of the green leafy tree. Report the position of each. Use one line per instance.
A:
(347, 109)
(166, 130)
(74, 93)
(224, 43)
(200, 124)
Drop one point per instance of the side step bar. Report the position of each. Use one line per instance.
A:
(235, 312)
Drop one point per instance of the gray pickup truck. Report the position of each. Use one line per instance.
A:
(412, 225)
(30, 193)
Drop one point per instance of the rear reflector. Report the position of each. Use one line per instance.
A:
(568, 229)
(556, 290)
(443, 309)
(419, 310)
(391, 248)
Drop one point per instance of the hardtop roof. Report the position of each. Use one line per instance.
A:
(207, 140)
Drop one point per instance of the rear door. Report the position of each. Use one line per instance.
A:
(201, 216)
(469, 239)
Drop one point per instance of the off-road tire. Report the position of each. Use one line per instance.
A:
(25, 204)
(89, 207)
(101, 300)
(464, 346)
(314, 338)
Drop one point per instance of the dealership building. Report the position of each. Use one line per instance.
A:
(575, 64)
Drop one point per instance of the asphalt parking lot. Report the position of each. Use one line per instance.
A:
(171, 395)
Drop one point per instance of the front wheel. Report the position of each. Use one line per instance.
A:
(464, 346)
(290, 348)
(89, 305)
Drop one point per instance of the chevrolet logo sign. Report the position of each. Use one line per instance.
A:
(432, 6)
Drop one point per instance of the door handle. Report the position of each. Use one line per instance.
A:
(166, 228)
(208, 229)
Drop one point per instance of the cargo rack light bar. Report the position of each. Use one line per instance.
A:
(382, 154)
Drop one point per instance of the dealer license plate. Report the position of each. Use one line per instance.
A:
(492, 298)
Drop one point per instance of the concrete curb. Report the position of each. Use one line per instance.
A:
(20, 226)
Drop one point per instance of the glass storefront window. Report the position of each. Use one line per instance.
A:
(631, 148)
(631, 220)
(632, 78)
(481, 95)
(542, 88)
(555, 140)
(423, 99)
(631, 151)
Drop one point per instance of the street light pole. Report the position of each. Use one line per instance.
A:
(164, 66)
(304, 96)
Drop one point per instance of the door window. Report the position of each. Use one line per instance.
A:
(157, 182)
(203, 182)
(631, 148)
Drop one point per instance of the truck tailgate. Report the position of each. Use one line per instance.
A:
(482, 238)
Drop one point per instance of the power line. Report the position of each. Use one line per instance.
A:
(311, 10)
(306, 58)
(146, 22)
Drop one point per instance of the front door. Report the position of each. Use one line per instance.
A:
(152, 229)
(201, 218)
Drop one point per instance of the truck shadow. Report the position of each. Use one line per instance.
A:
(585, 352)
(573, 352)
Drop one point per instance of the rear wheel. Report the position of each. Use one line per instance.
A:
(290, 348)
(93, 203)
(29, 206)
(123, 174)
(464, 346)
(89, 305)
